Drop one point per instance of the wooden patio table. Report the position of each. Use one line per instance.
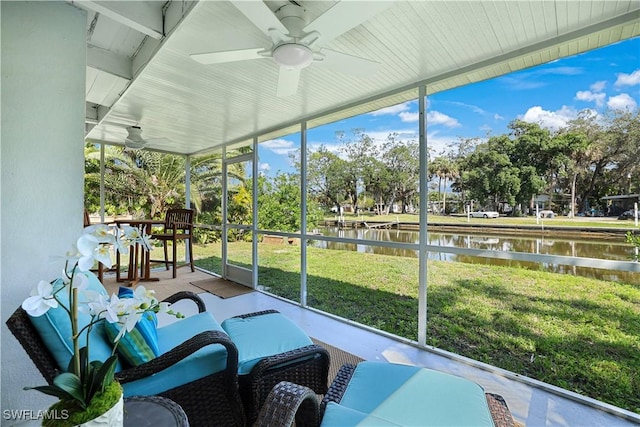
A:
(133, 277)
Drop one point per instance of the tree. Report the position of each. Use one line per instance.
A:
(279, 204)
(148, 183)
(445, 168)
(361, 165)
(610, 155)
(326, 178)
(490, 177)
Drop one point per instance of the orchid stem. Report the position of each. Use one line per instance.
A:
(74, 330)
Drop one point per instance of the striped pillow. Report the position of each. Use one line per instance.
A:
(141, 344)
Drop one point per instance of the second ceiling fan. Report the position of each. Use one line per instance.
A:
(297, 43)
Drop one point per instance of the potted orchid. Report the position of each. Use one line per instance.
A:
(88, 388)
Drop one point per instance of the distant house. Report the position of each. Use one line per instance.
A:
(618, 204)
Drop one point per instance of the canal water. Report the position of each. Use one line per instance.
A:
(610, 249)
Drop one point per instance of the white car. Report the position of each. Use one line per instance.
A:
(546, 214)
(485, 214)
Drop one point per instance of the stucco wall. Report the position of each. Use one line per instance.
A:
(42, 165)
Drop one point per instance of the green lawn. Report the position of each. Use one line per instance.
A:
(580, 334)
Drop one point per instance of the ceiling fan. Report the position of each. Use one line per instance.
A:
(296, 43)
(134, 139)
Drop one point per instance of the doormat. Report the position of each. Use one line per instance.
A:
(221, 288)
(337, 357)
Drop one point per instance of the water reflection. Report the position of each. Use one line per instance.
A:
(586, 248)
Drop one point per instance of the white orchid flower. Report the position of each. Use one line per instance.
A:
(131, 233)
(146, 241)
(100, 306)
(127, 321)
(145, 297)
(103, 255)
(137, 235)
(91, 250)
(41, 300)
(122, 245)
(102, 232)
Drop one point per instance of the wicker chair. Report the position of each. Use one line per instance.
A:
(178, 225)
(211, 400)
(307, 366)
(290, 403)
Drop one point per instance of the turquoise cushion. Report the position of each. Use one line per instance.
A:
(413, 396)
(340, 416)
(139, 345)
(206, 361)
(54, 328)
(261, 336)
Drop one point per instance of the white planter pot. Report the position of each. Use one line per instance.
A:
(114, 417)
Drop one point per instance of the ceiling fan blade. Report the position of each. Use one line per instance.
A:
(344, 16)
(347, 64)
(260, 15)
(227, 56)
(288, 81)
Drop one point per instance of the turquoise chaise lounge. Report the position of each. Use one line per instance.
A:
(387, 394)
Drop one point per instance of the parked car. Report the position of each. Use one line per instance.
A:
(546, 214)
(485, 214)
(630, 214)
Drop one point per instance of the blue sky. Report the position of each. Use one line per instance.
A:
(550, 94)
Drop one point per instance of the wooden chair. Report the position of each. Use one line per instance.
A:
(178, 225)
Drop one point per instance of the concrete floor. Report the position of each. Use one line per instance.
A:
(531, 402)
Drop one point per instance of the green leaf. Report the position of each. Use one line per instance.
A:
(100, 376)
(52, 390)
(107, 371)
(72, 385)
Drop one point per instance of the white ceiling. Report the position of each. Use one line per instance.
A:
(140, 73)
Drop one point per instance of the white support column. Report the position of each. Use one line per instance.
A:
(254, 227)
(102, 191)
(187, 197)
(422, 252)
(43, 55)
(223, 203)
(303, 213)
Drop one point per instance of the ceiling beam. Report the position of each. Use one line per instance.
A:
(91, 115)
(144, 17)
(109, 62)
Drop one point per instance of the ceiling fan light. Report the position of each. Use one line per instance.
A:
(292, 55)
(135, 133)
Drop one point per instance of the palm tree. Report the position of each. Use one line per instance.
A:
(148, 183)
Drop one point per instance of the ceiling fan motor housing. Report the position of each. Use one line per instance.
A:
(294, 18)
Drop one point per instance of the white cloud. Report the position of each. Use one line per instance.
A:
(264, 167)
(598, 86)
(470, 107)
(588, 96)
(498, 117)
(279, 146)
(394, 109)
(409, 117)
(438, 118)
(553, 120)
(622, 102)
(628, 79)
